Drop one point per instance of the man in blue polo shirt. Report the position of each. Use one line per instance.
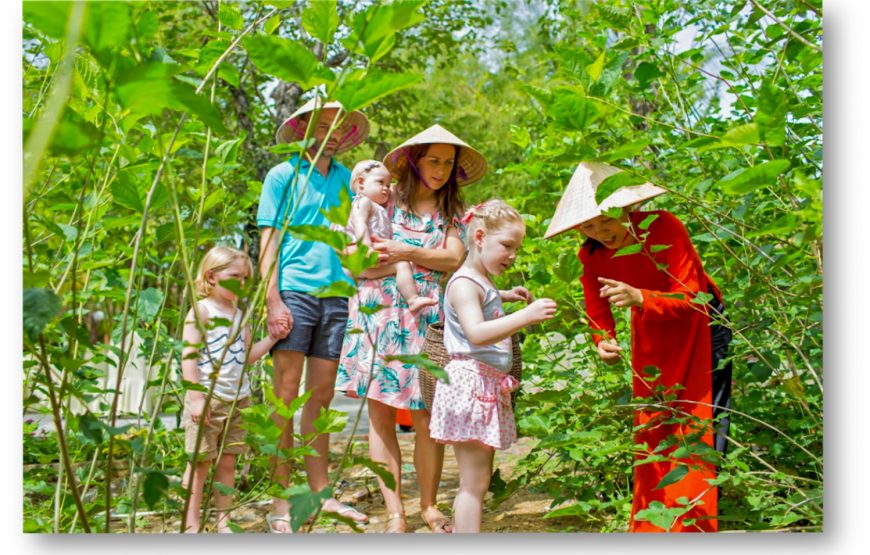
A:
(295, 191)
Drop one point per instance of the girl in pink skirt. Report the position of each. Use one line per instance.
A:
(474, 411)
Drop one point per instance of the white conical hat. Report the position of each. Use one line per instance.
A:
(472, 164)
(356, 123)
(578, 205)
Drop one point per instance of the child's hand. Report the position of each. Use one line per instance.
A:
(518, 293)
(608, 351)
(540, 310)
(620, 294)
(196, 407)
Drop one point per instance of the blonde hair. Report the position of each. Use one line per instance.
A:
(491, 215)
(215, 260)
(362, 169)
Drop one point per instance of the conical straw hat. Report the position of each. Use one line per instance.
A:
(356, 123)
(578, 205)
(472, 164)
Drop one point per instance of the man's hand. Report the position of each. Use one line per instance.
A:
(279, 320)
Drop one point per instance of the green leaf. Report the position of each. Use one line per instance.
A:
(702, 298)
(154, 487)
(422, 362)
(283, 410)
(673, 476)
(572, 110)
(658, 248)
(157, 91)
(224, 489)
(355, 95)
(373, 31)
(614, 182)
(629, 250)
(595, 68)
(771, 114)
(91, 428)
(330, 421)
(747, 180)
(334, 289)
(107, 27)
(660, 515)
(297, 147)
(213, 199)
(745, 134)
(271, 24)
(304, 503)
(360, 260)
(41, 306)
(379, 469)
(320, 19)
(230, 16)
(287, 60)
(340, 213)
(317, 233)
(648, 221)
(73, 134)
(150, 301)
(200, 106)
(48, 17)
(629, 150)
(647, 72)
(233, 285)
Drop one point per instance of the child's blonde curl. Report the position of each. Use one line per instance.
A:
(215, 260)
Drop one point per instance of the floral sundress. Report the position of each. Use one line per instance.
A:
(386, 322)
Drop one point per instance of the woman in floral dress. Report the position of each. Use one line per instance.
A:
(429, 168)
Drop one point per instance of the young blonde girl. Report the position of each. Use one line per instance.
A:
(218, 356)
(370, 180)
(474, 411)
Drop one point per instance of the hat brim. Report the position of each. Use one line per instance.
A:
(356, 123)
(471, 165)
(578, 205)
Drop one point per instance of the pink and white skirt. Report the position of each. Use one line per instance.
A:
(475, 406)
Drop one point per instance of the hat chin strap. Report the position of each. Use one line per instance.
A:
(413, 166)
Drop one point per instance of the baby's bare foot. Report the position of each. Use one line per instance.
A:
(418, 303)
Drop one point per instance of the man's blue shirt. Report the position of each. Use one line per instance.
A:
(303, 266)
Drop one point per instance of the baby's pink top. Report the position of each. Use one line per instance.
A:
(378, 222)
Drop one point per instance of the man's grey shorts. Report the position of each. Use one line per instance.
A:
(318, 325)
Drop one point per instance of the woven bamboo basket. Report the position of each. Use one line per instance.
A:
(433, 345)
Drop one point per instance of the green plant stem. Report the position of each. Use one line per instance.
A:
(39, 138)
(61, 436)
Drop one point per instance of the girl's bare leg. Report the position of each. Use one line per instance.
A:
(475, 468)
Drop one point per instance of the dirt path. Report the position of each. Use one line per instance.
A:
(522, 512)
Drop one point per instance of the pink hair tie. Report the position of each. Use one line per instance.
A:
(470, 213)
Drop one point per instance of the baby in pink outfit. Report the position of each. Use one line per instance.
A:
(370, 180)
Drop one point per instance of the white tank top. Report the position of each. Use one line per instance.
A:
(227, 385)
(497, 355)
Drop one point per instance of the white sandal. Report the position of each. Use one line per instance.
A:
(272, 519)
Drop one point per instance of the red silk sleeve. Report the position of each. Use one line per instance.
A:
(682, 265)
(597, 309)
